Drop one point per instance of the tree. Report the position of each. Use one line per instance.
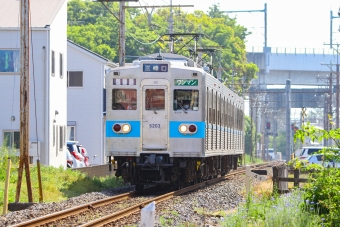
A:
(250, 144)
(280, 142)
(91, 25)
(323, 189)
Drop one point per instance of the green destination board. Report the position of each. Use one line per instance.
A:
(186, 82)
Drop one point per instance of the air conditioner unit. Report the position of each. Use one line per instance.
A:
(34, 150)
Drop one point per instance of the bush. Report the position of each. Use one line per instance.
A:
(322, 193)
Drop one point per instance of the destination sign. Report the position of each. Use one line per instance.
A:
(155, 68)
(186, 82)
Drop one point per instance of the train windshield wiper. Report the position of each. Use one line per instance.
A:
(180, 105)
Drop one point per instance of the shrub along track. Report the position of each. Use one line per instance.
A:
(111, 209)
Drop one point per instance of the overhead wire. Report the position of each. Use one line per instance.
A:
(152, 42)
(110, 11)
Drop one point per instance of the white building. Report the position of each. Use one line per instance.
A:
(47, 94)
(50, 52)
(86, 99)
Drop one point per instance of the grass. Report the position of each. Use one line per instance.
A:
(264, 208)
(255, 160)
(58, 184)
(277, 211)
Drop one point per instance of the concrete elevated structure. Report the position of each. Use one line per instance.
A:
(313, 76)
(303, 66)
(312, 73)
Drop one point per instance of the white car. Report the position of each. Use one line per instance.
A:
(78, 158)
(307, 151)
(319, 159)
(84, 153)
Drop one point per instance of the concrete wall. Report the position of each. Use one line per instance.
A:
(85, 104)
(97, 170)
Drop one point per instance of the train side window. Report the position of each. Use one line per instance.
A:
(186, 99)
(154, 99)
(124, 99)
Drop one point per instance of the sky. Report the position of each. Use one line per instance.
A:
(290, 23)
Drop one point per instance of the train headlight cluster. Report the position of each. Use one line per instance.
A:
(187, 128)
(121, 128)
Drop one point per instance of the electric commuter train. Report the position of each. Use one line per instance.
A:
(169, 122)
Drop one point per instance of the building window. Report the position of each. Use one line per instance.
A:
(11, 139)
(53, 63)
(56, 139)
(75, 79)
(9, 61)
(71, 131)
(61, 65)
(61, 137)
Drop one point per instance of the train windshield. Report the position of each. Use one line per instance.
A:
(124, 99)
(155, 99)
(186, 99)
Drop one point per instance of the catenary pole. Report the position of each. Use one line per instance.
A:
(288, 129)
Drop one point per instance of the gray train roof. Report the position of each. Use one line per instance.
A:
(175, 58)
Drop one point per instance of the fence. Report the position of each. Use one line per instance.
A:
(281, 179)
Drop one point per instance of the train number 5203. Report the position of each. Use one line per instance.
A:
(154, 125)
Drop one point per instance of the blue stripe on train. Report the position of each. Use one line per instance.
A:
(174, 133)
(173, 129)
(135, 129)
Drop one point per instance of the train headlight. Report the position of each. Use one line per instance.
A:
(187, 129)
(183, 128)
(126, 128)
(121, 128)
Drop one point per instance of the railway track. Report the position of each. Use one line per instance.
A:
(91, 208)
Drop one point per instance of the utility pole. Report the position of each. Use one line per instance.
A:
(171, 29)
(24, 99)
(121, 20)
(254, 11)
(122, 34)
(251, 129)
(330, 66)
(288, 129)
(331, 29)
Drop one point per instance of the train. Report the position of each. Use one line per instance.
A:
(171, 123)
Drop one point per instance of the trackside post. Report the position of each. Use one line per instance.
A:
(148, 215)
(257, 174)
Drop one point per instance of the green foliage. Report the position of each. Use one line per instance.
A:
(166, 221)
(57, 183)
(280, 142)
(249, 129)
(275, 211)
(323, 190)
(248, 159)
(5, 154)
(93, 26)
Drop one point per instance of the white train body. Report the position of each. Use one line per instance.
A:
(169, 122)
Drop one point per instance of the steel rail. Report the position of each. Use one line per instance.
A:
(74, 210)
(43, 220)
(136, 208)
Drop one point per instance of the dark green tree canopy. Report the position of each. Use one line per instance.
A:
(96, 27)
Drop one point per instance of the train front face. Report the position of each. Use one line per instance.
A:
(154, 125)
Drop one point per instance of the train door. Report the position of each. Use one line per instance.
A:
(155, 117)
